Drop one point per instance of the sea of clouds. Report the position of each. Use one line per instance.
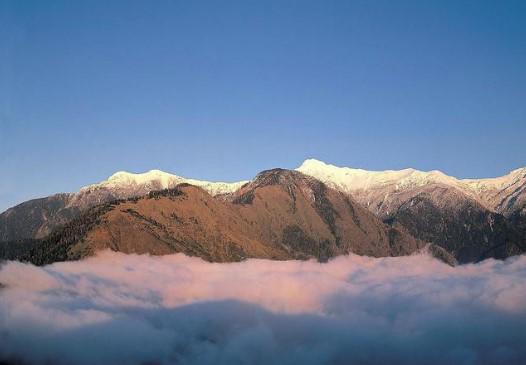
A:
(130, 309)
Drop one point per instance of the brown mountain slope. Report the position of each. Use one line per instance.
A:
(280, 215)
(301, 213)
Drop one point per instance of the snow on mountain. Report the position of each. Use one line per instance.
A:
(494, 183)
(503, 194)
(37, 218)
(349, 179)
(157, 180)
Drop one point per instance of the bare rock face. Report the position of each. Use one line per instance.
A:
(280, 215)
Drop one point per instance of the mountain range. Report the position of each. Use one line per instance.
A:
(318, 210)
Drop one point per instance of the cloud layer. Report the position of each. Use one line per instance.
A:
(128, 309)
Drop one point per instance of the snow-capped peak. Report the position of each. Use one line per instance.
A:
(156, 180)
(126, 178)
(349, 179)
(501, 194)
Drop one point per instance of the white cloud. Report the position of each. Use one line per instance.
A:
(127, 309)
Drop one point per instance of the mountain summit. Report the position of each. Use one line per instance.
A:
(124, 183)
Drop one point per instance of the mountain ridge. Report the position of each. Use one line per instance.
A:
(485, 190)
(289, 216)
(45, 214)
(469, 218)
(160, 180)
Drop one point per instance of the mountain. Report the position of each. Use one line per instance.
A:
(39, 217)
(36, 218)
(469, 218)
(505, 195)
(281, 214)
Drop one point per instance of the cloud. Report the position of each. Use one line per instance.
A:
(130, 309)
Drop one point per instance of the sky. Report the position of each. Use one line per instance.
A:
(221, 90)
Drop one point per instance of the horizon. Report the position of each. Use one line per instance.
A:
(220, 92)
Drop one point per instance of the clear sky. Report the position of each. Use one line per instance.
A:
(220, 90)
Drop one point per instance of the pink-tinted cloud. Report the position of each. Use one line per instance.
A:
(129, 309)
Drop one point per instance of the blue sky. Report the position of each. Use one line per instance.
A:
(220, 90)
